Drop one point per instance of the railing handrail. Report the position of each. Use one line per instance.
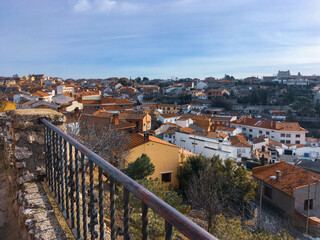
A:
(170, 214)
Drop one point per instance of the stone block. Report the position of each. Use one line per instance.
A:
(22, 153)
(20, 165)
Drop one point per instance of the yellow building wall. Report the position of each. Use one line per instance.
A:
(7, 106)
(165, 158)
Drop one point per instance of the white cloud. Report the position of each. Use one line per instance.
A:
(82, 6)
(105, 6)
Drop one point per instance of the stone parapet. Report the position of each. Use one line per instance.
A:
(22, 136)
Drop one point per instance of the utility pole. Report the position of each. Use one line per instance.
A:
(260, 212)
(307, 226)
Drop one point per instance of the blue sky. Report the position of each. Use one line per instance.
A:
(159, 39)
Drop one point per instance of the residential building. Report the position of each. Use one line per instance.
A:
(140, 119)
(278, 115)
(64, 89)
(169, 108)
(213, 93)
(291, 189)
(284, 132)
(214, 143)
(150, 89)
(168, 117)
(166, 165)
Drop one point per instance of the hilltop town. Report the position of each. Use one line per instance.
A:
(270, 126)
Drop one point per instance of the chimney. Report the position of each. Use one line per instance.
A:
(278, 175)
(116, 119)
(146, 137)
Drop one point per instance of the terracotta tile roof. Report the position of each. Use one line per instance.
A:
(262, 123)
(102, 113)
(169, 115)
(132, 115)
(225, 129)
(41, 94)
(239, 141)
(291, 178)
(187, 130)
(138, 139)
(115, 100)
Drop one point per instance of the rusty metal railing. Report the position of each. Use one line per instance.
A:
(65, 162)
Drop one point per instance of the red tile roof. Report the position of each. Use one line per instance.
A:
(239, 141)
(291, 178)
(262, 123)
(138, 139)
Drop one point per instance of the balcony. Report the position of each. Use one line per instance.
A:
(82, 184)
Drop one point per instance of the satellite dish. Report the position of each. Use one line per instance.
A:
(273, 177)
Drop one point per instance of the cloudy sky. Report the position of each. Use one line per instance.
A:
(159, 39)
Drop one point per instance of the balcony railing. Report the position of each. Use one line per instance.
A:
(73, 190)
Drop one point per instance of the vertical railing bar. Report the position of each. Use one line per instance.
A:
(77, 193)
(112, 209)
(168, 228)
(46, 151)
(71, 184)
(55, 163)
(84, 205)
(92, 211)
(101, 213)
(144, 221)
(126, 195)
(66, 177)
(59, 167)
(51, 161)
(62, 173)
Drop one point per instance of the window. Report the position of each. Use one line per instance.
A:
(298, 135)
(268, 192)
(166, 177)
(282, 135)
(250, 135)
(282, 141)
(288, 141)
(250, 130)
(267, 133)
(120, 106)
(306, 204)
(168, 108)
(244, 129)
(288, 135)
(297, 142)
(260, 132)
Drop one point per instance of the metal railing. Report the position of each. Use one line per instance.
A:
(65, 162)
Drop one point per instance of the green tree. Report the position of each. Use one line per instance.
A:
(224, 187)
(138, 79)
(140, 168)
(231, 229)
(192, 166)
(303, 105)
(156, 225)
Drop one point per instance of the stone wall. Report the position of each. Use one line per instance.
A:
(22, 136)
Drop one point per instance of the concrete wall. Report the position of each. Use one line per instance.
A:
(301, 194)
(280, 200)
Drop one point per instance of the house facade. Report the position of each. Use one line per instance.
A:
(284, 132)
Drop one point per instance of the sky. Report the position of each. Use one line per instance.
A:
(159, 39)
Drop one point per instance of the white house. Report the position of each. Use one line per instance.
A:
(62, 99)
(184, 121)
(284, 132)
(72, 106)
(168, 118)
(214, 143)
(201, 85)
(64, 89)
